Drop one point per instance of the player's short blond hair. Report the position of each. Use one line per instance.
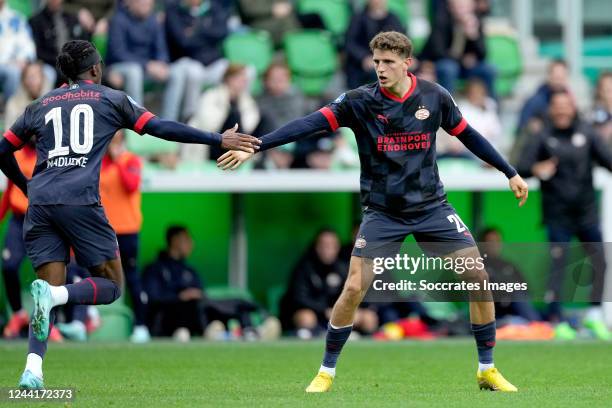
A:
(392, 41)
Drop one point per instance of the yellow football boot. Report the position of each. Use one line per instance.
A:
(321, 383)
(492, 379)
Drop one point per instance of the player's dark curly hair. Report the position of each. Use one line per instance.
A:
(70, 60)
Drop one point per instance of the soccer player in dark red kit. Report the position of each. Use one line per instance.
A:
(395, 122)
(73, 126)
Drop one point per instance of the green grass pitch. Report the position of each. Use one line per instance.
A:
(407, 374)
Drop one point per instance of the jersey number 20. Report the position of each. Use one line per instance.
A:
(77, 147)
(454, 219)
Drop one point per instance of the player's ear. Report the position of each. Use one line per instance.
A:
(96, 70)
(408, 61)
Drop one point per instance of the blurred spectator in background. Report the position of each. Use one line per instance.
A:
(177, 301)
(479, 109)
(563, 156)
(52, 27)
(275, 16)
(315, 152)
(120, 179)
(137, 52)
(427, 71)
(536, 107)
(13, 253)
(315, 284)
(34, 84)
(601, 117)
(511, 305)
(195, 30)
(457, 44)
(374, 18)
(174, 288)
(221, 108)
(93, 15)
(279, 104)
(16, 49)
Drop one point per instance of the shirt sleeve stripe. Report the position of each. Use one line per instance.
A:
(459, 128)
(142, 121)
(331, 118)
(13, 138)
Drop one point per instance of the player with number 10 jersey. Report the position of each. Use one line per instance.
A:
(73, 126)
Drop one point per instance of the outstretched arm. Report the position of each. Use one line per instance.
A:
(481, 147)
(177, 132)
(308, 125)
(9, 166)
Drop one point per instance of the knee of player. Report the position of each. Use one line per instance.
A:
(475, 275)
(354, 290)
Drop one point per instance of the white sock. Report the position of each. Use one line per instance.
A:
(34, 364)
(482, 366)
(594, 313)
(328, 370)
(59, 295)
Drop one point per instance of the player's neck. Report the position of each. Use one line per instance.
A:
(401, 87)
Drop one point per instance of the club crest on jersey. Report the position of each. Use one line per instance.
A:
(360, 242)
(384, 119)
(422, 113)
(578, 139)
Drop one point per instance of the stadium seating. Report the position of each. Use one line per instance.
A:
(336, 14)
(312, 59)
(503, 52)
(400, 9)
(598, 47)
(250, 48)
(101, 43)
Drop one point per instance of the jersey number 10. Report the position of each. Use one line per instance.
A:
(77, 147)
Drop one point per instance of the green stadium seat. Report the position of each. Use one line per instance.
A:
(400, 9)
(503, 52)
(101, 43)
(312, 59)
(249, 48)
(146, 145)
(417, 44)
(336, 14)
(600, 47)
(22, 6)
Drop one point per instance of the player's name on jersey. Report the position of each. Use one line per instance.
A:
(401, 141)
(424, 285)
(67, 161)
